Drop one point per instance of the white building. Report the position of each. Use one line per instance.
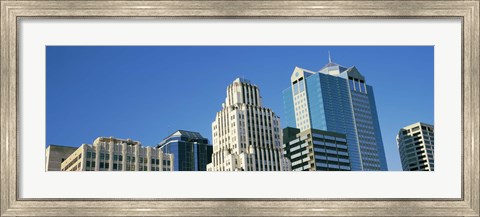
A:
(246, 136)
(416, 146)
(112, 154)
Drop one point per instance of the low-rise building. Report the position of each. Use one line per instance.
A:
(55, 155)
(113, 154)
(191, 150)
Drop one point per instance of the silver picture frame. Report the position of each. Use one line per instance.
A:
(12, 11)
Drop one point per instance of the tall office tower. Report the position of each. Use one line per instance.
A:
(316, 150)
(337, 99)
(191, 151)
(112, 154)
(416, 146)
(246, 136)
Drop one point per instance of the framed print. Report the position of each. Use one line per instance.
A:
(254, 108)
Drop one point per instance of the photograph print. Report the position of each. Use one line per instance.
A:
(239, 108)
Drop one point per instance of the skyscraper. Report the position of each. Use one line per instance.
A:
(416, 146)
(246, 135)
(191, 151)
(316, 150)
(337, 99)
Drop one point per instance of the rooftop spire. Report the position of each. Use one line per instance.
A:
(329, 57)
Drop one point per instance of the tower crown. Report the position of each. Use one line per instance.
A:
(243, 91)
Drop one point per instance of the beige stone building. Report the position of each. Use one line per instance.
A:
(113, 154)
(416, 147)
(246, 135)
(55, 155)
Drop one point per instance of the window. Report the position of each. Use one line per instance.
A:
(89, 154)
(114, 166)
(115, 157)
(107, 165)
(87, 163)
(119, 166)
(107, 157)
(120, 157)
(102, 156)
(101, 165)
(93, 163)
(362, 87)
(94, 155)
(302, 86)
(295, 88)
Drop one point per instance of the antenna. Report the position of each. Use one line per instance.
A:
(329, 57)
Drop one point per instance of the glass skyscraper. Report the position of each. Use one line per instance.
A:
(191, 150)
(337, 99)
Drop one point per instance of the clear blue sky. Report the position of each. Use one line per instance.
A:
(146, 93)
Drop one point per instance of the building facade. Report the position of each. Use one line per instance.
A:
(246, 135)
(112, 154)
(337, 99)
(55, 155)
(316, 150)
(416, 147)
(191, 150)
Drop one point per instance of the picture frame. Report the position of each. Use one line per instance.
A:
(13, 11)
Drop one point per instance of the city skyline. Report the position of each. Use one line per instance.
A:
(128, 92)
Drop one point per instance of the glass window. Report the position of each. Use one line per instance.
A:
(362, 87)
(89, 154)
(87, 163)
(133, 159)
(120, 157)
(93, 163)
(357, 86)
(350, 80)
(119, 166)
(107, 157)
(115, 157)
(94, 155)
(114, 166)
(107, 165)
(102, 156)
(295, 89)
(101, 165)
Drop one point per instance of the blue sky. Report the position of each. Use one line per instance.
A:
(146, 93)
